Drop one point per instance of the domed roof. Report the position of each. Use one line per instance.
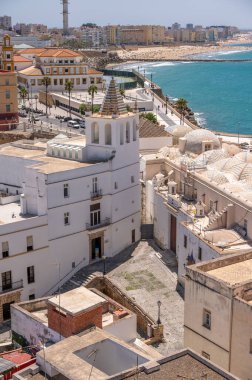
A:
(181, 130)
(210, 157)
(195, 138)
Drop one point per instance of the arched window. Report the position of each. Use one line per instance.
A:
(121, 134)
(134, 131)
(127, 133)
(95, 133)
(108, 137)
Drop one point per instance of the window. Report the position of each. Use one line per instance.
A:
(66, 218)
(72, 70)
(30, 275)
(61, 82)
(78, 81)
(66, 190)
(127, 133)
(134, 131)
(48, 71)
(55, 82)
(121, 134)
(133, 236)
(73, 264)
(132, 179)
(7, 94)
(185, 241)
(208, 147)
(77, 71)
(29, 242)
(95, 214)
(205, 355)
(5, 249)
(60, 70)
(31, 297)
(7, 108)
(8, 56)
(95, 133)
(200, 253)
(108, 138)
(84, 80)
(66, 71)
(7, 82)
(6, 281)
(116, 185)
(95, 184)
(207, 319)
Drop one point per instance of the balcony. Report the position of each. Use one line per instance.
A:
(94, 195)
(10, 287)
(102, 223)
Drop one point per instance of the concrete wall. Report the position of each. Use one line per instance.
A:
(154, 143)
(214, 341)
(125, 328)
(241, 357)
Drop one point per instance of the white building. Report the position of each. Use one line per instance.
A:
(60, 65)
(199, 198)
(67, 204)
(218, 312)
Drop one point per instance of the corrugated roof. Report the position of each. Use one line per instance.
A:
(148, 129)
(5, 365)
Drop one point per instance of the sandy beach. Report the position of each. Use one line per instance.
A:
(180, 52)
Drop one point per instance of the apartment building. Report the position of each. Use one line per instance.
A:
(68, 202)
(8, 88)
(5, 22)
(198, 197)
(218, 312)
(60, 65)
(142, 34)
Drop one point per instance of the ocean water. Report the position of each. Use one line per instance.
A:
(219, 93)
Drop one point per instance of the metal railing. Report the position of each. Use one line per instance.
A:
(12, 286)
(96, 194)
(102, 223)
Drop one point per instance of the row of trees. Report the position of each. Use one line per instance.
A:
(46, 81)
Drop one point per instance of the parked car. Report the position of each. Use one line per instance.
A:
(73, 124)
(67, 118)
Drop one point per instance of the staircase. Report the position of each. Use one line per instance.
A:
(81, 278)
(216, 221)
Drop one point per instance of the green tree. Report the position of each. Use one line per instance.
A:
(181, 105)
(69, 87)
(82, 108)
(150, 116)
(122, 91)
(92, 90)
(23, 94)
(46, 81)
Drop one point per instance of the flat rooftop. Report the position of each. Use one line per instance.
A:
(10, 213)
(77, 300)
(233, 274)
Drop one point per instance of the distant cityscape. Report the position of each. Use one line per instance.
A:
(90, 35)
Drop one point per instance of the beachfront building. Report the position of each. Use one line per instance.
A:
(218, 312)
(68, 202)
(60, 65)
(142, 34)
(199, 197)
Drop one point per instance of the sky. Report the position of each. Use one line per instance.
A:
(104, 12)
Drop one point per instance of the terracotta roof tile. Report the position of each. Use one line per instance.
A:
(65, 53)
(148, 129)
(19, 58)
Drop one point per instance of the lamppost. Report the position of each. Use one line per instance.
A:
(36, 98)
(159, 305)
(104, 264)
(166, 104)
(151, 80)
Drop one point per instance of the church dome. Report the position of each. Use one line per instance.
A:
(195, 138)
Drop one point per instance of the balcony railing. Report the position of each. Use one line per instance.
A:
(96, 194)
(102, 223)
(12, 286)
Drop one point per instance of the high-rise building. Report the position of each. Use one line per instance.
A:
(189, 26)
(5, 22)
(176, 26)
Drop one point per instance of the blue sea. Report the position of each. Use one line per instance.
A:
(219, 93)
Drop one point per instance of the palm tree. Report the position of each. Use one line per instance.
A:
(46, 81)
(181, 105)
(150, 116)
(92, 90)
(68, 87)
(23, 94)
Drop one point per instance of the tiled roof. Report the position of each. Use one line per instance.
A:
(34, 51)
(93, 71)
(113, 102)
(32, 71)
(63, 53)
(19, 58)
(148, 129)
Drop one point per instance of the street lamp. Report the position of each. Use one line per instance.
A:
(166, 104)
(36, 98)
(104, 264)
(159, 305)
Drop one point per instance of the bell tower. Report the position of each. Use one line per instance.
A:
(7, 54)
